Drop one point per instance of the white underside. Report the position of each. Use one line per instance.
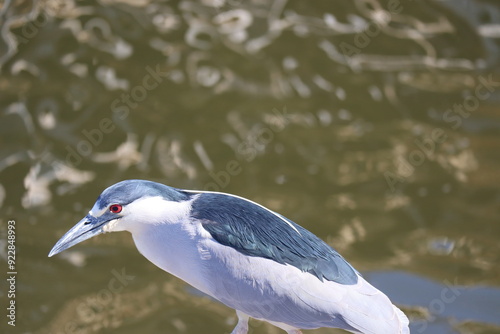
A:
(264, 289)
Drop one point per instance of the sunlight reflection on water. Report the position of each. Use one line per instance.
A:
(374, 126)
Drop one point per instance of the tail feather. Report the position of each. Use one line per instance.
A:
(403, 321)
(371, 311)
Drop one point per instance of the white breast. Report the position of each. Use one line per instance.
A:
(175, 249)
(261, 287)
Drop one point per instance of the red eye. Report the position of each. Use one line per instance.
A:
(115, 208)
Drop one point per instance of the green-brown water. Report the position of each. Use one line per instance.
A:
(374, 124)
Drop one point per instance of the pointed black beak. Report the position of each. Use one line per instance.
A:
(83, 230)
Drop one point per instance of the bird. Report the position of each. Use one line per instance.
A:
(248, 257)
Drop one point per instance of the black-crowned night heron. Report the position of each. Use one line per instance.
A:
(246, 256)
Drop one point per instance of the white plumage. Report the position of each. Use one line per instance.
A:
(281, 286)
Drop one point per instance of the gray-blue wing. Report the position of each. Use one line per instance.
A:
(256, 231)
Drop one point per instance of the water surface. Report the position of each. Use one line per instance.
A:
(373, 124)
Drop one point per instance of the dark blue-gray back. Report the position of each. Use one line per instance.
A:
(256, 231)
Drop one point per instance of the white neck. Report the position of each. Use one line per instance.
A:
(174, 245)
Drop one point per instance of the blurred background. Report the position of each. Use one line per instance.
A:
(373, 123)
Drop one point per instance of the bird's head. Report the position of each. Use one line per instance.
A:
(127, 206)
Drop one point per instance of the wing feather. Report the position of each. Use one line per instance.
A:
(255, 230)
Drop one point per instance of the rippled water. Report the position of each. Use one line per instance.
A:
(375, 124)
